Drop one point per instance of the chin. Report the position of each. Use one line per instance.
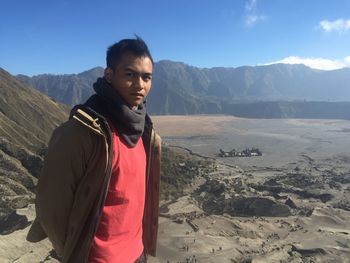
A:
(134, 105)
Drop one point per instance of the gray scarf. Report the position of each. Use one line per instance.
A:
(129, 123)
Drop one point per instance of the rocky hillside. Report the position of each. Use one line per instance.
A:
(27, 118)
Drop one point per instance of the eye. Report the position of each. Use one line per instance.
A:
(146, 78)
(129, 74)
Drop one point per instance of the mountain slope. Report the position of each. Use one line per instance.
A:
(27, 116)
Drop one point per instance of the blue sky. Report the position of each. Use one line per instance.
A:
(72, 36)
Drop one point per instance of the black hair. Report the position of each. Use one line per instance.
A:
(135, 46)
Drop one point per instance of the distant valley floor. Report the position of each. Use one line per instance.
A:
(282, 141)
(291, 204)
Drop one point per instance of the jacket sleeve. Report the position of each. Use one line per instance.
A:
(64, 165)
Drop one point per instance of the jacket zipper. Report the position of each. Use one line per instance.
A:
(149, 157)
(105, 184)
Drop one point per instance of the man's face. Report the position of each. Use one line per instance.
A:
(131, 78)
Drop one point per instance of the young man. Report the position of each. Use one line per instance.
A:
(98, 194)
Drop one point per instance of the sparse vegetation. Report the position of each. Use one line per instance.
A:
(179, 168)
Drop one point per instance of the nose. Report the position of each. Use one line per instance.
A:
(138, 82)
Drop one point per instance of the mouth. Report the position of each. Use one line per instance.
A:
(138, 95)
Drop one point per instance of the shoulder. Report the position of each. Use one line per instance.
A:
(88, 118)
(81, 129)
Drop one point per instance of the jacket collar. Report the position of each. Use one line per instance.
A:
(93, 120)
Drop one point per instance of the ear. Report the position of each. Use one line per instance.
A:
(108, 74)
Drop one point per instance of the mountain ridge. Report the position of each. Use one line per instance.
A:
(179, 88)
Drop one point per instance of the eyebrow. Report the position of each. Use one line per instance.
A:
(134, 71)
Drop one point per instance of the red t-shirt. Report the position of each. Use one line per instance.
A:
(119, 235)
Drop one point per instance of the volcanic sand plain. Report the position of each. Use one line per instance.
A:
(307, 161)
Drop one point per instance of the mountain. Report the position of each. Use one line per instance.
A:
(27, 118)
(267, 83)
(69, 89)
(182, 89)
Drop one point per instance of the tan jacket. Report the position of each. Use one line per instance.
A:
(74, 182)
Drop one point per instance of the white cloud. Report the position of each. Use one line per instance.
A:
(316, 63)
(251, 15)
(251, 20)
(250, 5)
(339, 25)
(347, 60)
